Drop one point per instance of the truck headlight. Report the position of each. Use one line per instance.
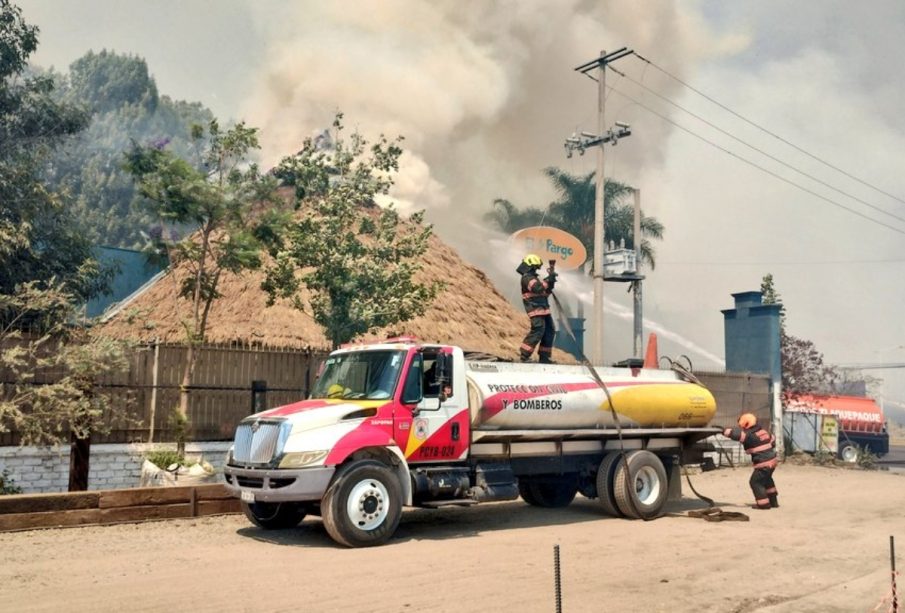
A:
(298, 459)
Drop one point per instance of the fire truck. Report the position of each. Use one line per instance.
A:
(401, 423)
(860, 422)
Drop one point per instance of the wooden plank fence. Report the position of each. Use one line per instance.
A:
(230, 382)
(30, 511)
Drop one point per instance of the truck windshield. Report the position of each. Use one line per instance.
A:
(370, 375)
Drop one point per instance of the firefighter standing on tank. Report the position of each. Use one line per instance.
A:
(761, 445)
(535, 294)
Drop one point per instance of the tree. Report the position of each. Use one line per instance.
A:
(507, 218)
(357, 259)
(804, 370)
(225, 200)
(122, 98)
(47, 269)
(573, 211)
(107, 82)
(65, 406)
(38, 239)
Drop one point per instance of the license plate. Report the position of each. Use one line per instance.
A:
(247, 496)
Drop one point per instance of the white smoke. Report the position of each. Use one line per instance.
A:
(484, 93)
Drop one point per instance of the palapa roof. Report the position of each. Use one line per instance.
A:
(468, 312)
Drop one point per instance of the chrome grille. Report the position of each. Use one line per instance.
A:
(258, 445)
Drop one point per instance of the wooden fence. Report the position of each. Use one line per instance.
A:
(229, 383)
(737, 393)
(233, 381)
(31, 511)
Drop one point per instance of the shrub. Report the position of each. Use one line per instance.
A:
(7, 485)
(823, 457)
(866, 458)
(162, 458)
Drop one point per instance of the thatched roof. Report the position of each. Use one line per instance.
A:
(469, 312)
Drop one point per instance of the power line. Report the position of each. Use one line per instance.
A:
(755, 165)
(661, 262)
(765, 130)
(761, 151)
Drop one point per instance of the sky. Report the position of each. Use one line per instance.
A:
(766, 136)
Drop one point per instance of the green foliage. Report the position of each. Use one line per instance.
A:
(218, 195)
(573, 211)
(804, 370)
(18, 40)
(7, 484)
(106, 82)
(126, 108)
(45, 413)
(358, 260)
(164, 458)
(822, 457)
(508, 218)
(215, 197)
(38, 239)
(178, 423)
(867, 459)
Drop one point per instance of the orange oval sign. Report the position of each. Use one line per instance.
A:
(552, 244)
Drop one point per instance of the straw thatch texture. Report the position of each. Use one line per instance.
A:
(469, 312)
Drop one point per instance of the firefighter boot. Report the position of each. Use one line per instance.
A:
(774, 501)
(524, 357)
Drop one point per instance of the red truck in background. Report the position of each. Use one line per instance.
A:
(862, 425)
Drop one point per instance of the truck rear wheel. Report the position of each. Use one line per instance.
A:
(605, 478)
(550, 494)
(363, 505)
(645, 498)
(274, 515)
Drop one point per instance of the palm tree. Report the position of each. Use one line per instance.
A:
(573, 212)
(507, 218)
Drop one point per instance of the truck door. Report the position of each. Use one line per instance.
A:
(435, 428)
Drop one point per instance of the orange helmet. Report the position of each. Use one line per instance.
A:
(747, 420)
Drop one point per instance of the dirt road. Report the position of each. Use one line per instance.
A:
(825, 550)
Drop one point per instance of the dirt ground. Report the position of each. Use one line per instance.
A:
(825, 550)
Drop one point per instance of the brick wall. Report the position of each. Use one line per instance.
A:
(44, 470)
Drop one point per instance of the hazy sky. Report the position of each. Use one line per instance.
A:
(485, 93)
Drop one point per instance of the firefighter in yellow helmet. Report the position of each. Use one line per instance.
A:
(761, 445)
(535, 297)
(336, 391)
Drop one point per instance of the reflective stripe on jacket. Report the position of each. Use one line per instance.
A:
(535, 294)
(758, 443)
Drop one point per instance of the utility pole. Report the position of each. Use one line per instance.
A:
(600, 140)
(636, 294)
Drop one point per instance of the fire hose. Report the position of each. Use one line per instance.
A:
(712, 513)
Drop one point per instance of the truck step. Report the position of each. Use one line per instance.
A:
(436, 504)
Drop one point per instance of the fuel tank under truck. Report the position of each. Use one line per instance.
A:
(506, 396)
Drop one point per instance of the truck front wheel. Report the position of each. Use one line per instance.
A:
(363, 505)
(645, 495)
(274, 515)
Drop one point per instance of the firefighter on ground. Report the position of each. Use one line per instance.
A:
(535, 294)
(761, 445)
